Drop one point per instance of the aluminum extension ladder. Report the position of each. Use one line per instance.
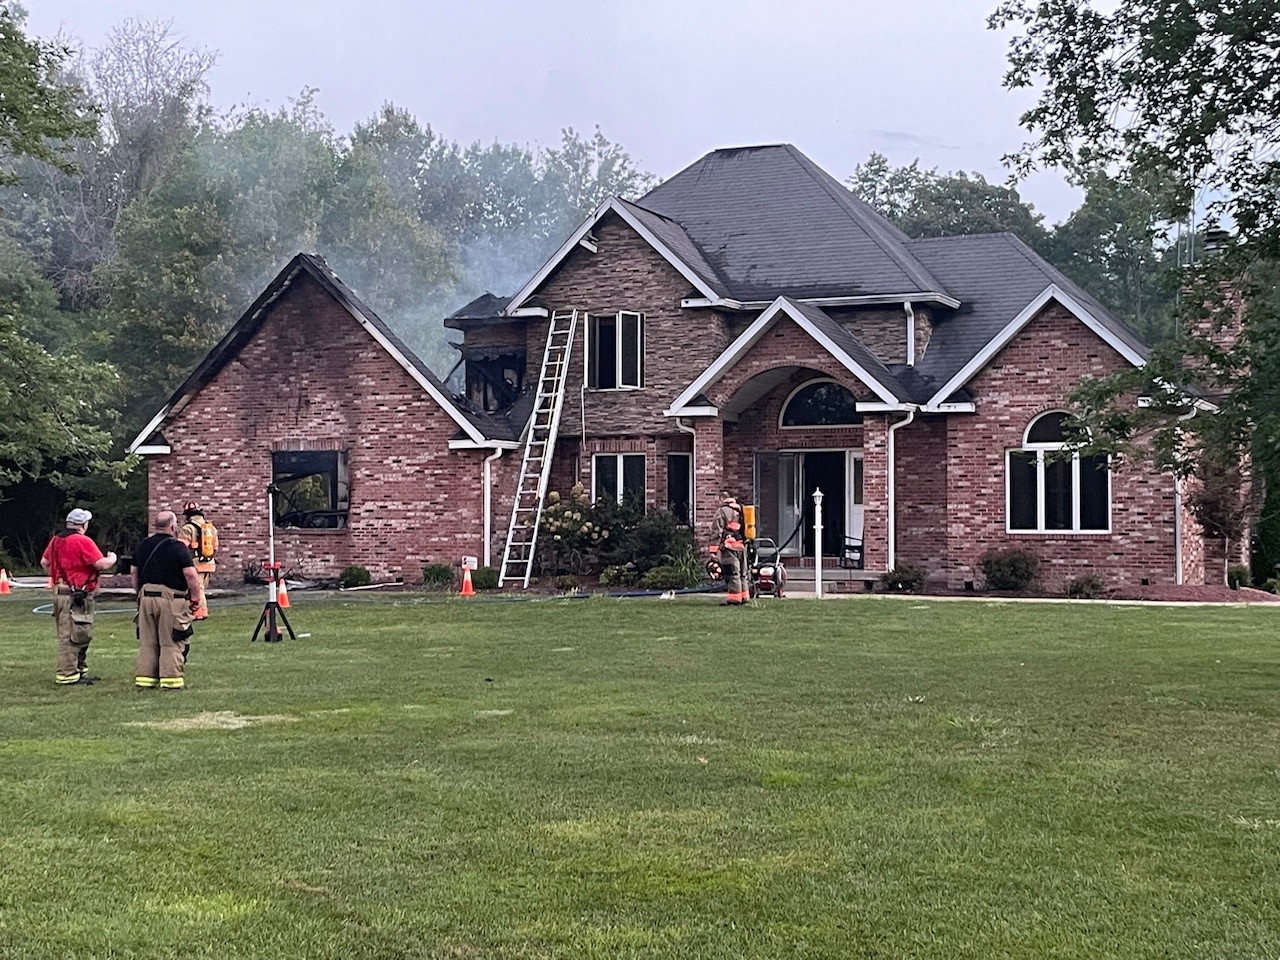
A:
(540, 442)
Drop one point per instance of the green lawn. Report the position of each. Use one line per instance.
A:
(852, 779)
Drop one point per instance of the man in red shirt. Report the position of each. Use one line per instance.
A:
(74, 562)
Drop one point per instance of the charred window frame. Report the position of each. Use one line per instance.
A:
(618, 477)
(494, 382)
(615, 351)
(1050, 488)
(314, 488)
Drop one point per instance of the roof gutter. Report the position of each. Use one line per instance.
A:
(891, 534)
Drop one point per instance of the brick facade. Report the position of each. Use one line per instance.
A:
(313, 378)
(1033, 374)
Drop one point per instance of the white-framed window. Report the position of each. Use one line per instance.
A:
(617, 477)
(615, 351)
(1050, 489)
(819, 403)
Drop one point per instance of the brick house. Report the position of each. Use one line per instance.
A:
(747, 325)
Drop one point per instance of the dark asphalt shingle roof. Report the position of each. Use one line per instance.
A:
(768, 221)
(487, 306)
(995, 276)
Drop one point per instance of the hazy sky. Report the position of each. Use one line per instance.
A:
(667, 79)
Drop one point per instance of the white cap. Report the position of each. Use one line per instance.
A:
(78, 517)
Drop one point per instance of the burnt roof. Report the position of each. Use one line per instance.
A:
(251, 321)
(486, 308)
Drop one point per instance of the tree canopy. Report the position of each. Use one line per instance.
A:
(1183, 95)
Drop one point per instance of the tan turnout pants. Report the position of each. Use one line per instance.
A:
(75, 630)
(164, 630)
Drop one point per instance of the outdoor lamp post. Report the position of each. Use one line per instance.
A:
(817, 542)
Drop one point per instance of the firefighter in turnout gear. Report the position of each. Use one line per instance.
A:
(169, 593)
(73, 562)
(729, 547)
(201, 538)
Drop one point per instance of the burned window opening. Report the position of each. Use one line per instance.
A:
(314, 489)
(494, 383)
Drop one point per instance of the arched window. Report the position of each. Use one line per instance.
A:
(1053, 489)
(820, 403)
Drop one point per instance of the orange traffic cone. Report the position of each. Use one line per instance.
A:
(282, 596)
(4, 582)
(467, 589)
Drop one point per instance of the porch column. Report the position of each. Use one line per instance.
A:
(875, 513)
(708, 474)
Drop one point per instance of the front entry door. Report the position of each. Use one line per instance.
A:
(784, 485)
(826, 472)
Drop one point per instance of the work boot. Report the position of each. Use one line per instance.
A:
(83, 681)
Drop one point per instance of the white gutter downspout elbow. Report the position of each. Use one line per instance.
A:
(911, 335)
(487, 480)
(891, 533)
(693, 470)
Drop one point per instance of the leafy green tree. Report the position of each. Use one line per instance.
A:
(56, 409)
(926, 203)
(1116, 246)
(1184, 94)
(38, 113)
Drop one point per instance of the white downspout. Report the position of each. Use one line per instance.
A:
(891, 537)
(693, 471)
(911, 334)
(487, 480)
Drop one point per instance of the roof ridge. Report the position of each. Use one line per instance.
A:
(963, 236)
(917, 274)
(641, 206)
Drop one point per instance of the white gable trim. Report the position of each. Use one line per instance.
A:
(611, 204)
(1001, 339)
(682, 406)
(152, 426)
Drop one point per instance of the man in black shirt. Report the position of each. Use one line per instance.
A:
(169, 593)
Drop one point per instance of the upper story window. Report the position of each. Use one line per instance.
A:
(615, 351)
(820, 403)
(311, 488)
(1052, 489)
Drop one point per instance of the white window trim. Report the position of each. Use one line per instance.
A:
(619, 483)
(816, 426)
(617, 351)
(1040, 450)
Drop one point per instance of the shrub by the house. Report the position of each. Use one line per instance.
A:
(437, 576)
(904, 578)
(1085, 587)
(1010, 569)
(485, 578)
(355, 576)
